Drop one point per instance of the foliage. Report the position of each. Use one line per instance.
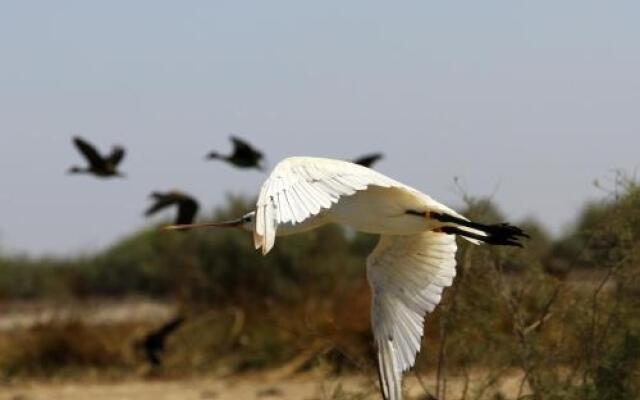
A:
(65, 348)
(562, 313)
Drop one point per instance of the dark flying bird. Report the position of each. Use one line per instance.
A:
(153, 343)
(187, 205)
(244, 155)
(100, 166)
(368, 160)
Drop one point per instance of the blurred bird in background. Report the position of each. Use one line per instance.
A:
(243, 156)
(187, 206)
(98, 165)
(368, 160)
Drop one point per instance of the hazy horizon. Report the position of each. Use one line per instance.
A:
(528, 102)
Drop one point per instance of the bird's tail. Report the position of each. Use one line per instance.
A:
(471, 235)
(502, 234)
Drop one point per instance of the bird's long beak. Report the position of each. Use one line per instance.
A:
(234, 223)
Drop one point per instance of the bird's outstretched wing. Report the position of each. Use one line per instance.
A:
(242, 148)
(88, 151)
(407, 274)
(187, 205)
(162, 200)
(116, 156)
(301, 187)
(368, 160)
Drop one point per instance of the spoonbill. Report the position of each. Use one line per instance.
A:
(243, 156)
(187, 205)
(100, 166)
(369, 159)
(412, 263)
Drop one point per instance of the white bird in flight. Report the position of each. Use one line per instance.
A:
(412, 263)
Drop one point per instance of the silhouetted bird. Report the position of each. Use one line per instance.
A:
(244, 155)
(368, 160)
(103, 167)
(153, 343)
(187, 205)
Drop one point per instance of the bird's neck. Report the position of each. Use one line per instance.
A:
(78, 170)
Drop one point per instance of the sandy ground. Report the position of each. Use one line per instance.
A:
(307, 387)
(24, 315)
(311, 386)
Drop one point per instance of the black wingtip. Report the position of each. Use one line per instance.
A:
(504, 234)
(498, 234)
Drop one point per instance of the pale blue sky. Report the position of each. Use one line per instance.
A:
(530, 100)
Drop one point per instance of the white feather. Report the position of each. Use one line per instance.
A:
(302, 187)
(409, 268)
(406, 282)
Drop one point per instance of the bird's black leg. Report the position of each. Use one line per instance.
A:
(497, 234)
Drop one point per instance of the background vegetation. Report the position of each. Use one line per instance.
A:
(563, 313)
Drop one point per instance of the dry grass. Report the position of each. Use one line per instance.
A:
(509, 316)
(310, 386)
(67, 348)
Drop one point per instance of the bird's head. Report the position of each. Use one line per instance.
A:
(248, 221)
(75, 170)
(212, 156)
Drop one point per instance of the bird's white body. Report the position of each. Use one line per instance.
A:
(376, 210)
(382, 211)
(409, 268)
(407, 271)
(303, 193)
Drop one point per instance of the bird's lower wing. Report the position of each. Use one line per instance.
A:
(187, 210)
(300, 187)
(407, 274)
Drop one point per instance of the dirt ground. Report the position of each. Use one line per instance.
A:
(307, 387)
